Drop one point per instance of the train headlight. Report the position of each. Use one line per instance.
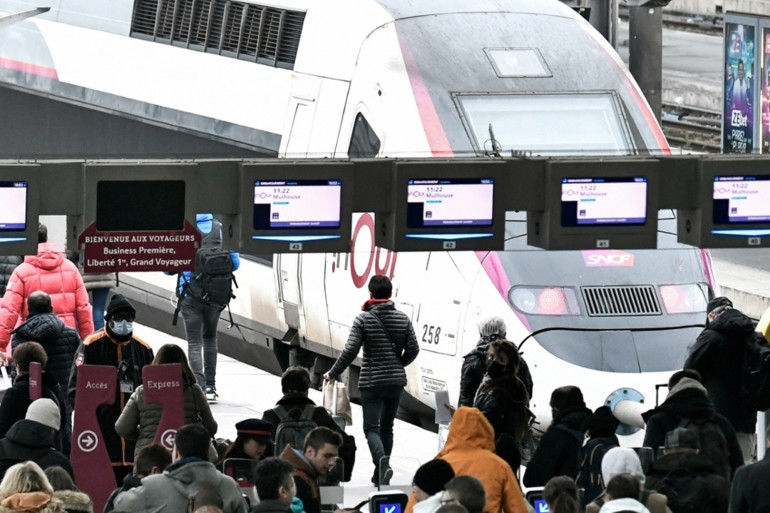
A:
(544, 300)
(686, 298)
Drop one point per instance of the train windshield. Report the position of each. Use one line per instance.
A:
(547, 124)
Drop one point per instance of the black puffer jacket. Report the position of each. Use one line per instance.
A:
(382, 364)
(31, 441)
(557, 452)
(475, 366)
(718, 356)
(59, 341)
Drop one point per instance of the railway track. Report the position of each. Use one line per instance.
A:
(692, 129)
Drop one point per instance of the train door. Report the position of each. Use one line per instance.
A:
(289, 294)
(300, 116)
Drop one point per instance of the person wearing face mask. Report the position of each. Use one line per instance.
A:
(117, 346)
(503, 399)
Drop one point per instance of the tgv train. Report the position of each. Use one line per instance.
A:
(374, 78)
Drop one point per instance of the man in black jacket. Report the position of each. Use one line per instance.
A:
(718, 356)
(32, 439)
(116, 346)
(44, 327)
(557, 452)
(389, 343)
(750, 492)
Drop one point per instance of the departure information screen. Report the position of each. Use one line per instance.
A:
(741, 199)
(297, 204)
(450, 202)
(604, 201)
(13, 213)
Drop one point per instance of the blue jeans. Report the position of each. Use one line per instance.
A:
(379, 405)
(200, 324)
(99, 300)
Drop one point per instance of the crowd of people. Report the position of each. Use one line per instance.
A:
(701, 457)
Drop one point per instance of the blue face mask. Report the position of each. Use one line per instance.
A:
(122, 328)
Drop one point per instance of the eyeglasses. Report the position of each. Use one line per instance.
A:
(123, 316)
(444, 502)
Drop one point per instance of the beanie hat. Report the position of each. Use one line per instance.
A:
(717, 302)
(433, 475)
(46, 412)
(118, 302)
(681, 438)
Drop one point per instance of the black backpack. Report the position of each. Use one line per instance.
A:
(589, 476)
(686, 491)
(755, 379)
(713, 443)
(212, 280)
(293, 427)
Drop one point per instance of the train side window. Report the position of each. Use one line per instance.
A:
(364, 143)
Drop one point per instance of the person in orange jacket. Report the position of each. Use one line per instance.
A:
(470, 450)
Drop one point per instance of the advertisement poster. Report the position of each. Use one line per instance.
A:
(765, 96)
(738, 110)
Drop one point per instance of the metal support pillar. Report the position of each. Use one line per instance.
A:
(645, 45)
(604, 18)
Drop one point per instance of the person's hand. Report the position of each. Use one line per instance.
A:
(3, 358)
(328, 377)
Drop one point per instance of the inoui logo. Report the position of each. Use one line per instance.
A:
(608, 258)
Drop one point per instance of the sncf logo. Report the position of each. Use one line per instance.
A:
(608, 258)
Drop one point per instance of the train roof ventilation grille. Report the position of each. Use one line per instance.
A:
(623, 300)
(267, 35)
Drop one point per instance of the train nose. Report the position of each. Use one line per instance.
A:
(627, 406)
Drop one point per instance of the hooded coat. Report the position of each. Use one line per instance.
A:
(470, 449)
(623, 460)
(52, 273)
(28, 440)
(169, 492)
(718, 356)
(688, 400)
(74, 502)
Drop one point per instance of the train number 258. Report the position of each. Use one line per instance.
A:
(430, 334)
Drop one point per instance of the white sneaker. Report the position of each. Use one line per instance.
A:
(211, 393)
